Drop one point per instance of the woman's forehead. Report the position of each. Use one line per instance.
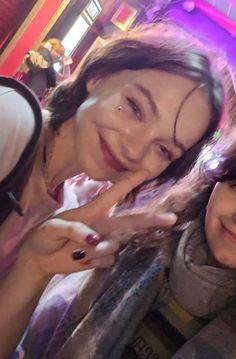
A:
(157, 80)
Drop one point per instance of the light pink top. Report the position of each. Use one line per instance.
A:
(38, 206)
(36, 203)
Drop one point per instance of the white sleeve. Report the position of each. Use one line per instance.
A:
(16, 128)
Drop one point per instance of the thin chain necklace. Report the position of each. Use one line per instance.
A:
(46, 162)
(45, 168)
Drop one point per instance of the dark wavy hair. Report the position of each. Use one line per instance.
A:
(162, 47)
(215, 163)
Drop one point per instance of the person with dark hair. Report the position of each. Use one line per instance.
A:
(186, 276)
(142, 105)
(198, 290)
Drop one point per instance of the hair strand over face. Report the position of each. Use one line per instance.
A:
(155, 48)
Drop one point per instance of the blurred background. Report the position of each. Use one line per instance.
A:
(83, 24)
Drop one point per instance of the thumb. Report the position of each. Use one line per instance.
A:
(101, 206)
(109, 198)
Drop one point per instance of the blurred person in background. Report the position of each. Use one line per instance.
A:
(38, 67)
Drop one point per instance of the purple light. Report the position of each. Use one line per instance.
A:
(188, 5)
(205, 28)
(223, 12)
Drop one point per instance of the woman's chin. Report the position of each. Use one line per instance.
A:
(102, 173)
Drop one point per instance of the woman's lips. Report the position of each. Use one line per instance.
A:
(110, 158)
(228, 235)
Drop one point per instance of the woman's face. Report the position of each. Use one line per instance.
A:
(220, 223)
(127, 123)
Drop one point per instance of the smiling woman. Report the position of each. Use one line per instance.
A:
(221, 223)
(142, 105)
(140, 119)
(147, 98)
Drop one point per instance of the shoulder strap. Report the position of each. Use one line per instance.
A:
(12, 185)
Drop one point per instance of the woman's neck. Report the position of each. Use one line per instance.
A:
(57, 155)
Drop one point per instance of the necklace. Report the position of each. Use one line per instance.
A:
(47, 156)
(45, 168)
(46, 162)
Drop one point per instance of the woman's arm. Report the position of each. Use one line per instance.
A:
(19, 295)
(56, 247)
(47, 250)
(64, 72)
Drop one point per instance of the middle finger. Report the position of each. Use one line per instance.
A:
(133, 223)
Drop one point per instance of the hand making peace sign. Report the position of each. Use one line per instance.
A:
(77, 239)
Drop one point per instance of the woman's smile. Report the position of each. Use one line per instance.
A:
(137, 137)
(228, 235)
(110, 158)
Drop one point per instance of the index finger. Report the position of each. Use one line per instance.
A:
(134, 223)
(118, 191)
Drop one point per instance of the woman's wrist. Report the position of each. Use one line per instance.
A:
(20, 292)
(27, 266)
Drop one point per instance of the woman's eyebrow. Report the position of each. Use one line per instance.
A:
(148, 96)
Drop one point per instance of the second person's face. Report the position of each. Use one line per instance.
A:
(220, 223)
(127, 123)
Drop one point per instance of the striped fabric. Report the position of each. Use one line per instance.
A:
(163, 331)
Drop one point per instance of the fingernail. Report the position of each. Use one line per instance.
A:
(93, 239)
(168, 216)
(86, 263)
(77, 255)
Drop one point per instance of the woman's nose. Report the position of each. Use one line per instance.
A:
(134, 146)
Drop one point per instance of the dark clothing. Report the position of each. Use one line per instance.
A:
(41, 79)
(11, 186)
(94, 314)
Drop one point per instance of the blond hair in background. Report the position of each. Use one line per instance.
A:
(54, 44)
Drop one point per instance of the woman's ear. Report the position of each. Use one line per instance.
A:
(92, 84)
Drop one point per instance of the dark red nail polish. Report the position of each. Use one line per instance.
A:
(77, 255)
(93, 239)
(86, 263)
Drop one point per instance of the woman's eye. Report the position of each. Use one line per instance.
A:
(232, 185)
(165, 153)
(135, 108)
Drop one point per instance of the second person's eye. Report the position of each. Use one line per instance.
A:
(165, 153)
(135, 108)
(232, 185)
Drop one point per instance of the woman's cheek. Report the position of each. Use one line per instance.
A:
(155, 166)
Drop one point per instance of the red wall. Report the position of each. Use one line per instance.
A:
(29, 37)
